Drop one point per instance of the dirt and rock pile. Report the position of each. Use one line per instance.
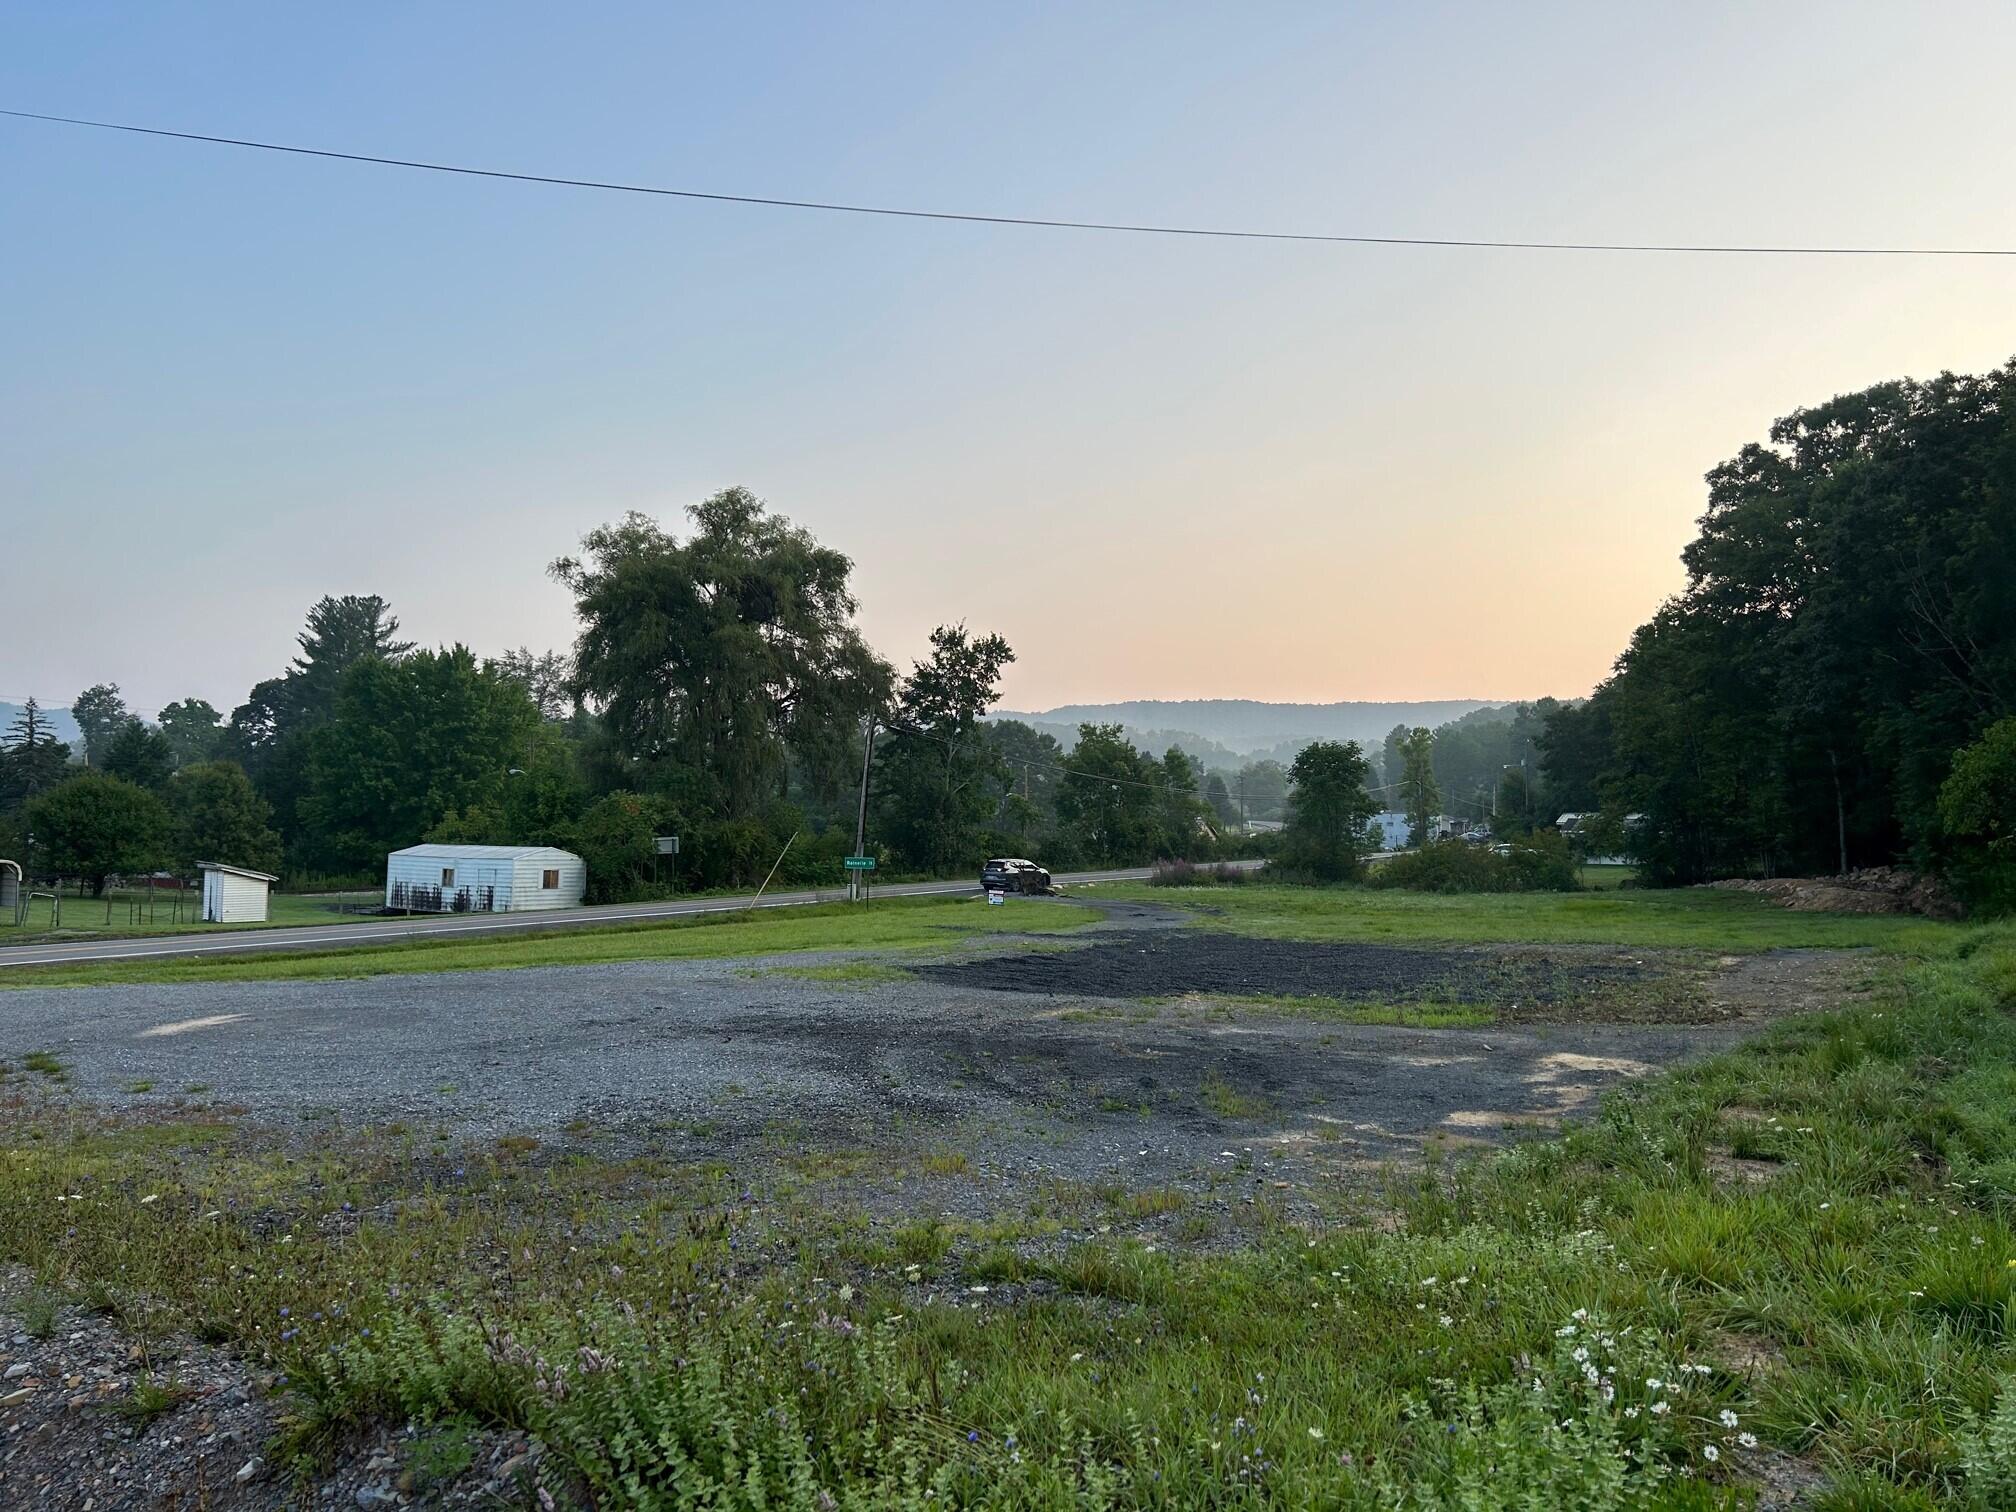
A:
(1871, 890)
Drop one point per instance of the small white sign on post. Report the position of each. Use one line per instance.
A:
(996, 897)
(667, 845)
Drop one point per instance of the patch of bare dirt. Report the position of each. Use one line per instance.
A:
(1741, 1170)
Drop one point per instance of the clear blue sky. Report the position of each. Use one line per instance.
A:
(1160, 467)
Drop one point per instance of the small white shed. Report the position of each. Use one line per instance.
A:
(233, 895)
(483, 878)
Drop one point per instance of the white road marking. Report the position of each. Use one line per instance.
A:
(184, 1026)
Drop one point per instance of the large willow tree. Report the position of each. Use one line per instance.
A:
(726, 654)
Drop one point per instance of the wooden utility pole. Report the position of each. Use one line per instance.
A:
(855, 886)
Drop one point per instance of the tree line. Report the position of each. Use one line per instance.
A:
(719, 689)
(1836, 684)
(1835, 687)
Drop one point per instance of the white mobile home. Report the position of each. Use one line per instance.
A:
(483, 878)
(233, 895)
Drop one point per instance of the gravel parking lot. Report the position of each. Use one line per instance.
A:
(721, 1058)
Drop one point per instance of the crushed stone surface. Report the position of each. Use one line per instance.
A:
(716, 1057)
(72, 1441)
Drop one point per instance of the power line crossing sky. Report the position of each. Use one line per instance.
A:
(1160, 466)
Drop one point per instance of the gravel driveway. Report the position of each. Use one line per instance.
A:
(719, 1056)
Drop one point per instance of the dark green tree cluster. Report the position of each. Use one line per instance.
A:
(1847, 630)
(1117, 805)
(32, 760)
(719, 691)
(139, 808)
(1259, 790)
(1419, 793)
(729, 659)
(941, 779)
(1329, 812)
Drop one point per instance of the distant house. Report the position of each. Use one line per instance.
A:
(1393, 830)
(234, 894)
(1586, 828)
(483, 878)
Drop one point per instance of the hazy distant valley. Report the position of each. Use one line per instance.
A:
(1226, 733)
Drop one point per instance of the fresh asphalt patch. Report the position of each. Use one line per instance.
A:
(1173, 963)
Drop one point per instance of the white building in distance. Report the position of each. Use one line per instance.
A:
(233, 894)
(483, 878)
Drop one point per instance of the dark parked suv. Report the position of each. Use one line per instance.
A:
(1012, 874)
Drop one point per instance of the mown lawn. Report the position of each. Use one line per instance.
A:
(130, 912)
(1688, 918)
(886, 924)
(1795, 1260)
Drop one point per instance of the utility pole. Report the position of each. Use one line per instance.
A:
(854, 882)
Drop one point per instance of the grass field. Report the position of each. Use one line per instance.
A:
(1687, 918)
(1792, 1262)
(889, 924)
(1608, 875)
(126, 913)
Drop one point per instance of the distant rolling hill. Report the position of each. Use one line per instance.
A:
(1244, 726)
(61, 725)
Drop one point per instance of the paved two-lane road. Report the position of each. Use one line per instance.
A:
(379, 931)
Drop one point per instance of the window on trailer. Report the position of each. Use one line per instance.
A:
(551, 880)
(447, 876)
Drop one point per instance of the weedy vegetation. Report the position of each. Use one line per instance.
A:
(1799, 1253)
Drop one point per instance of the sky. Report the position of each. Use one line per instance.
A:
(232, 382)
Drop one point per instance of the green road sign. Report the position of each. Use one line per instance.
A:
(859, 863)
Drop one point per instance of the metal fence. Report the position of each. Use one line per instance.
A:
(418, 897)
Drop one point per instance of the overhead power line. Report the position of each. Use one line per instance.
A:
(1505, 244)
(891, 723)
